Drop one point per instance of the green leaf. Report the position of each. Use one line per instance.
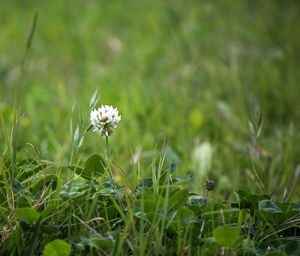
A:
(28, 214)
(178, 199)
(49, 229)
(185, 215)
(181, 219)
(147, 182)
(275, 254)
(18, 186)
(226, 235)
(269, 211)
(78, 170)
(109, 183)
(295, 206)
(292, 248)
(94, 166)
(269, 206)
(171, 157)
(102, 243)
(272, 217)
(182, 179)
(110, 212)
(50, 208)
(151, 207)
(70, 195)
(148, 204)
(250, 201)
(28, 169)
(45, 181)
(92, 240)
(57, 248)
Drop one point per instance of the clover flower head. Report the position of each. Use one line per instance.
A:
(104, 119)
(209, 185)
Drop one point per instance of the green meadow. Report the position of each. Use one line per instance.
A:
(206, 90)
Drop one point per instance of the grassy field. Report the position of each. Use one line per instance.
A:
(211, 87)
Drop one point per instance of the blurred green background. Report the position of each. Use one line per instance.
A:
(193, 72)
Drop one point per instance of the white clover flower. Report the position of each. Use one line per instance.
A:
(104, 119)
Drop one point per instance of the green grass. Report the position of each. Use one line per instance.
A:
(209, 86)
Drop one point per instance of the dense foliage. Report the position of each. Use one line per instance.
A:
(155, 216)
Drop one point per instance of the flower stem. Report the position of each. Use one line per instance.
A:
(107, 157)
(107, 148)
(110, 174)
(206, 197)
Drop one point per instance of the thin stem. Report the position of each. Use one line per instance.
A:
(110, 173)
(107, 157)
(107, 148)
(206, 197)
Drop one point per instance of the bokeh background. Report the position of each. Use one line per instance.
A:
(191, 73)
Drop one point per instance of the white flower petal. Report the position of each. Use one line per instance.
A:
(105, 117)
